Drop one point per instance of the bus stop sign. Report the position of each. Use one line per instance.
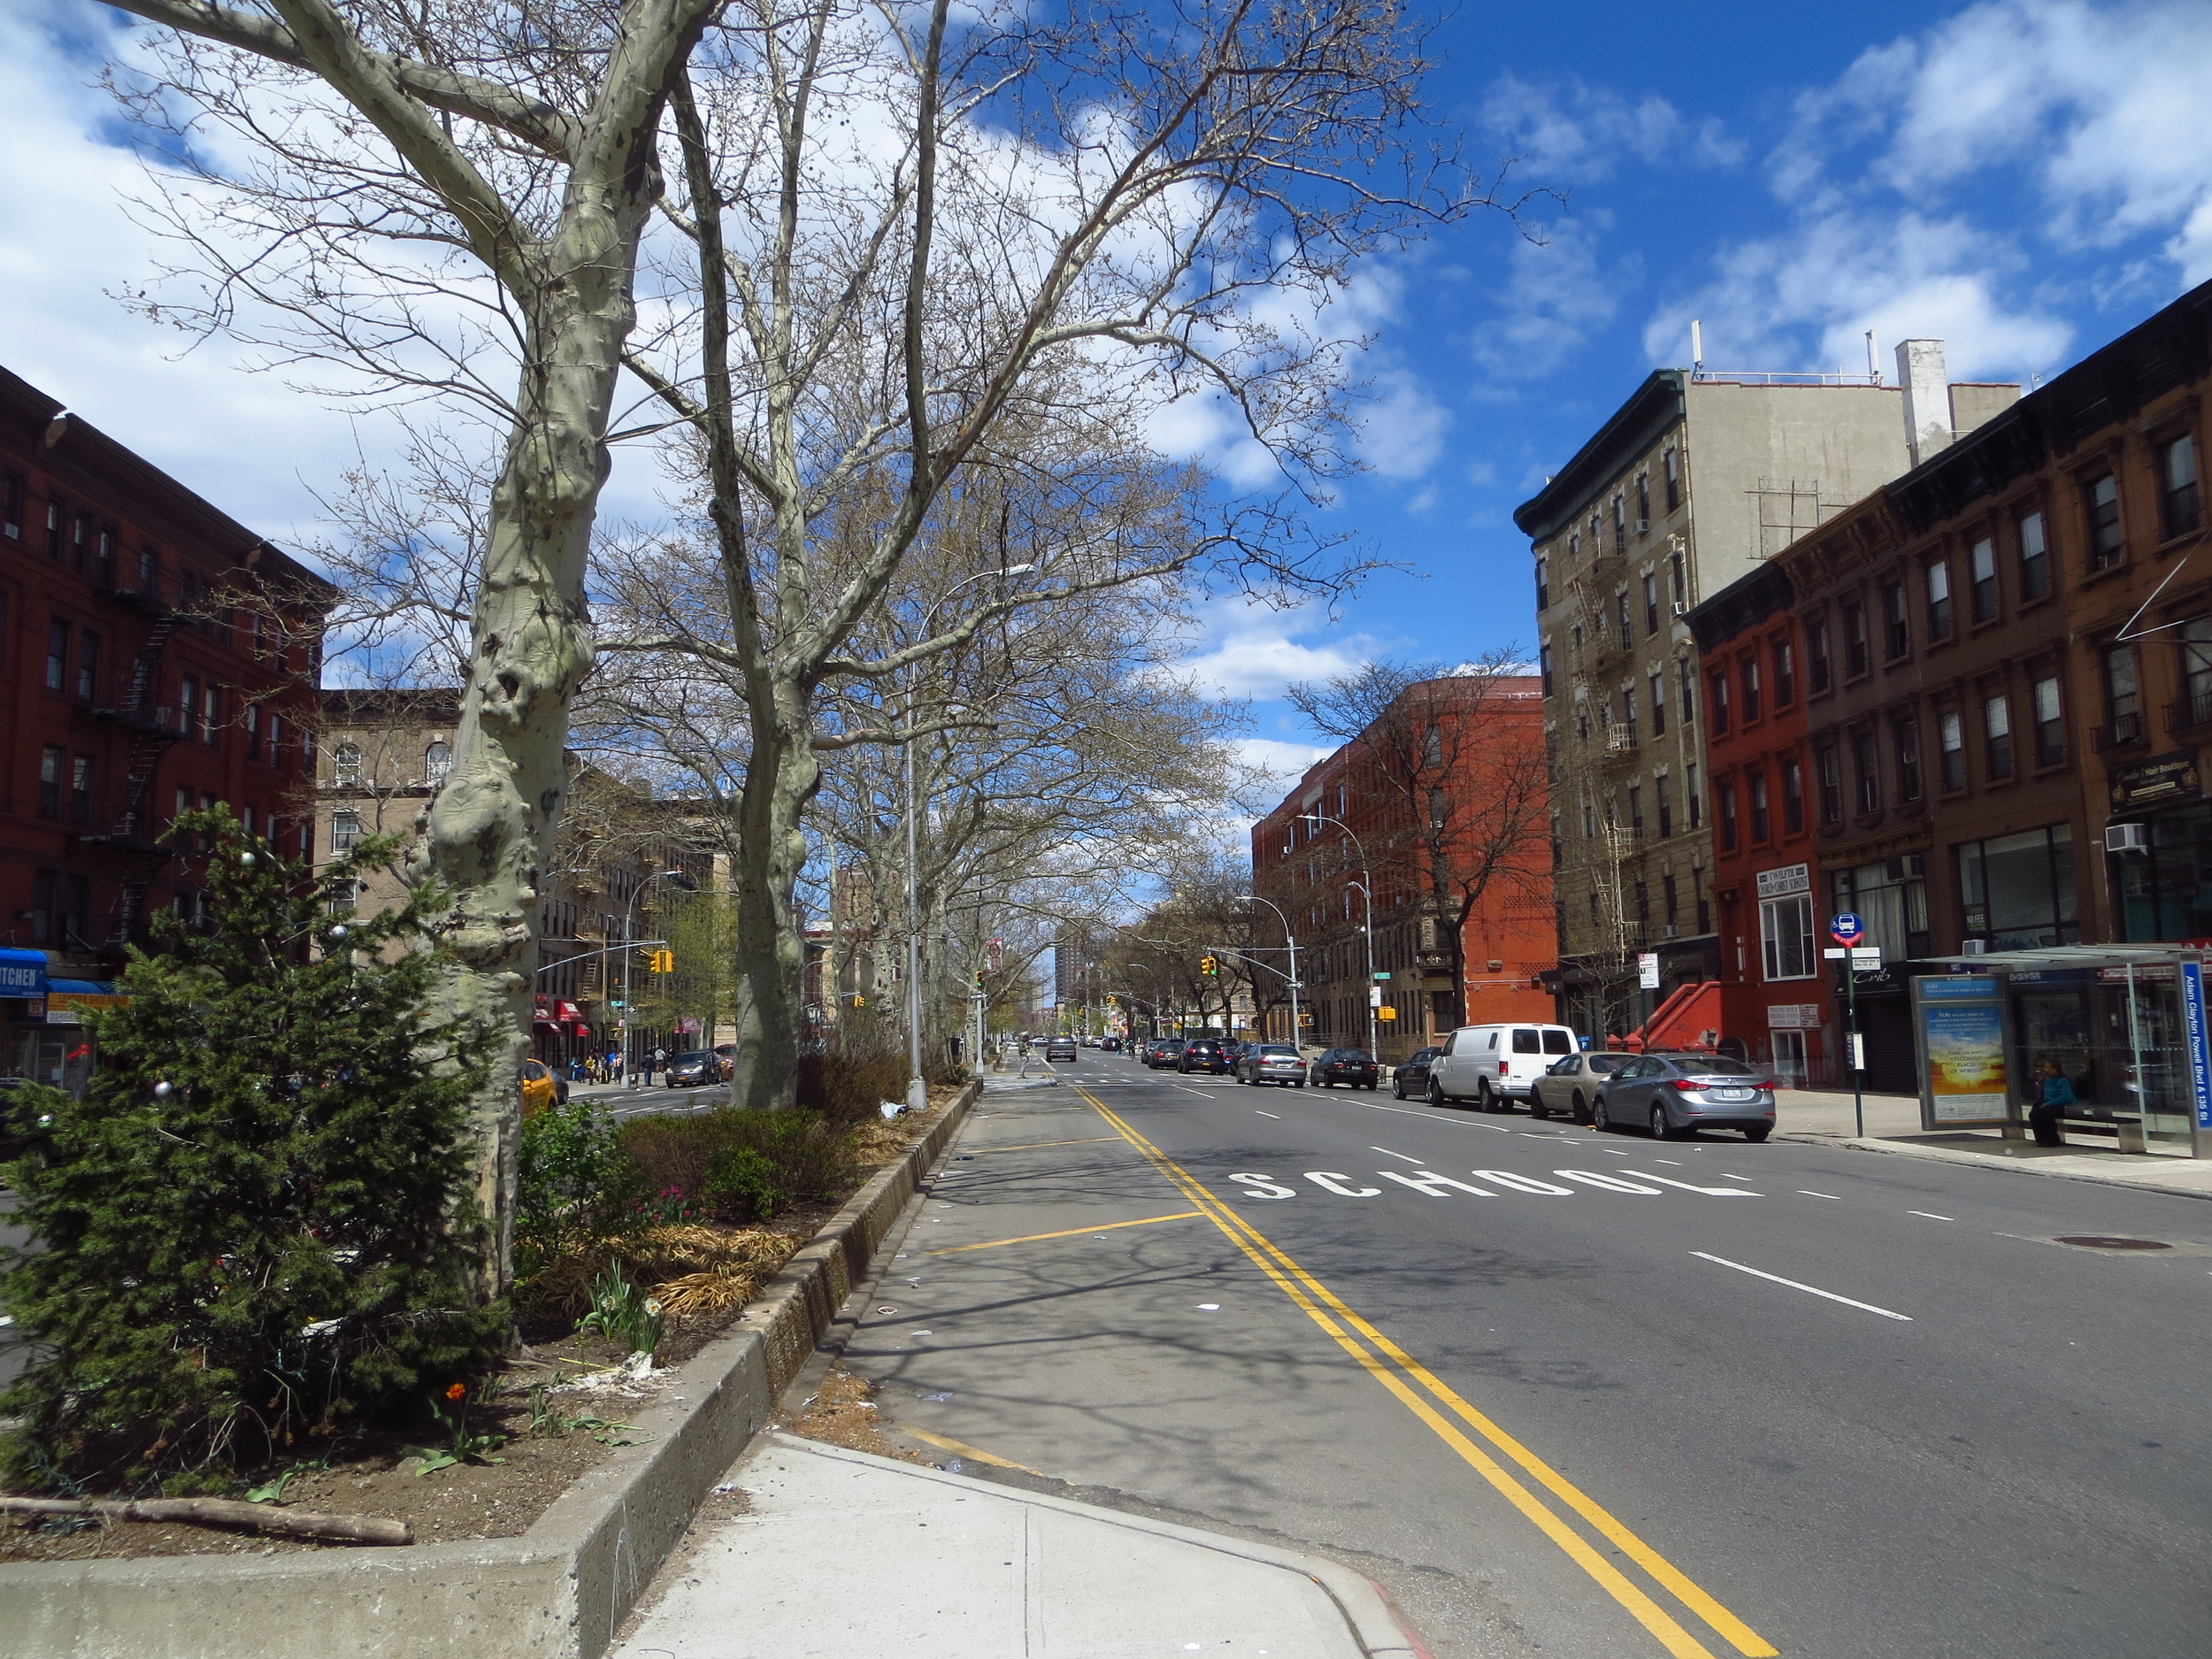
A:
(1847, 929)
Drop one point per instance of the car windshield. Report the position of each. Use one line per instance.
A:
(1282, 1049)
(1709, 1065)
(1353, 1056)
(1602, 1063)
(693, 1057)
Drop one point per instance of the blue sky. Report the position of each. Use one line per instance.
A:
(2024, 178)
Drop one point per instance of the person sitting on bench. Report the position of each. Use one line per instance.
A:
(2057, 1099)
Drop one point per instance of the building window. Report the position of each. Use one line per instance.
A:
(88, 666)
(45, 884)
(2196, 708)
(345, 764)
(2123, 704)
(1867, 769)
(1674, 468)
(2178, 484)
(76, 901)
(1628, 638)
(1891, 897)
(1636, 808)
(276, 740)
(2050, 723)
(2100, 506)
(1658, 705)
(103, 557)
(1997, 728)
(345, 831)
(1755, 789)
(1750, 689)
(50, 765)
(12, 508)
(1543, 663)
(1589, 820)
(2035, 559)
(2018, 891)
(1939, 600)
(1951, 737)
(1785, 938)
(187, 704)
(345, 896)
(437, 761)
(1680, 583)
(56, 655)
(1543, 584)
(211, 714)
(1620, 525)
(1817, 654)
(1854, 652)
(1628, 712)
(1668, 898)
(1792, 796)
(1662, 797)
(1896, 630)
(1688, 681)
(1651, 604)
(1785, 673)
(57, 527)
(1726, 808)
(1716, 705)
(1643, 500)
(1982, 563)
(252, 719)
(1692, 799)
(1906, 737)
(80, 789)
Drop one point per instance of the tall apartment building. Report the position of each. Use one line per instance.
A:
(1698, 478)
(155, 654)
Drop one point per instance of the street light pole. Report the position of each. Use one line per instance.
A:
(1254, 898)
(916, 1090)
(629, 957)
(1366, 887)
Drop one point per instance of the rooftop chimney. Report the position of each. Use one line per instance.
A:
(1927, 386)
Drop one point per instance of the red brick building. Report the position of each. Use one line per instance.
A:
(1771, 1000)
(154, 654)
(1437, 816)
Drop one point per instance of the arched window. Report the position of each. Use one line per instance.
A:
(437, 761)
(345, 764)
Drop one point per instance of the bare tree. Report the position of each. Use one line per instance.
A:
(1463, 798)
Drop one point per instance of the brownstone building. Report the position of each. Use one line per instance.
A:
(155, 654)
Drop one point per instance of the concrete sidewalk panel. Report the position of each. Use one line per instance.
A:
(933, 1565)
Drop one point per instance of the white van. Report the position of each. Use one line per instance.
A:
(1491, 1065)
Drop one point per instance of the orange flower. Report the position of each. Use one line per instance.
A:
(457, 1391)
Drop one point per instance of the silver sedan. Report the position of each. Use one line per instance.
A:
(1678, 1095)
(1276, 1063)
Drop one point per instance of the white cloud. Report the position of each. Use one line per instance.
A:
(1558, 292)
(1251, 650)
(1401, 432)
(1564, 132)
(1281, 764)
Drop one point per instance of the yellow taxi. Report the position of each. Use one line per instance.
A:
(540, 1087)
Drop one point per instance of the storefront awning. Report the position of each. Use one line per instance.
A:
(68, 1000)
(22, 973)
(2077, 957)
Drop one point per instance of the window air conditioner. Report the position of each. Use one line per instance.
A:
(1673, 930)
(1643, 526)
(1973, 946)
(2127, 838)
(1680, 608)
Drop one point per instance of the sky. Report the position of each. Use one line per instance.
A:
(2023, 179)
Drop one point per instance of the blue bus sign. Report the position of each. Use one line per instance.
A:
(1847, 929)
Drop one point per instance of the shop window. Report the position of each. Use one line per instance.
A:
(2178, 484)
(2101, 509)
(1905, 739)
(1939, 600)
(1785, 673)
(2018, 891)
(1785, 938)
(2035, 558)
(2050, 723)
(1951, 741)
(1981, 564)
(1997, 733)
(2122, 698)
(1866, 769)
(1792, 796)
(1756, 792)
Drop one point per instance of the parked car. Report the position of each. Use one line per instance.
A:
(1276, 1063)
(1206, 1053)
(694, 1068)
(1568, 1086)
(1060, 1048)
(1678, 1095)
(1352, 1068)
(541, 1086)
(1495, 1065)
(1411, 1075)
(1165, 1053)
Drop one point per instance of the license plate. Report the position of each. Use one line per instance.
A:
(1732, 1093)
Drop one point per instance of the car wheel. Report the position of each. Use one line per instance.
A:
(1301, 1083)
(1598, 1118)
(1758, 1133)
(1578, 1109)
(1397, 1088)
(1536, 1107)
(1661, 1127)
(1485, 1101)
(1436, 1096)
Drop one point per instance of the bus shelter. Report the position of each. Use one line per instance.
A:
(2126, 1023)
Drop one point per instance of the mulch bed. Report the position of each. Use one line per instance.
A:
(582, 1374)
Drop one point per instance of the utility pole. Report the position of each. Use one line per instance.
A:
(1254, 898)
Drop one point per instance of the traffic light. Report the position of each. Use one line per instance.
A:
(1210, 967)
(978, 978)
(662, 962)
(859, 1001)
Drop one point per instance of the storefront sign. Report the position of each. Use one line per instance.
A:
(1959, 1022)
(1792, 1017)
(1779, 884)
(2199, 1056)
(22, 973)
(2155, 782)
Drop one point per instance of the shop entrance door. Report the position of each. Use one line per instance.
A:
(1789, 1057)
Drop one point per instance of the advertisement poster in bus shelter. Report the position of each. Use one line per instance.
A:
(1959, 1027)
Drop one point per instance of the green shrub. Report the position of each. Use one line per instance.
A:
(847, 1086)
(574, 1183)
(743, 1165)
(258, 1223)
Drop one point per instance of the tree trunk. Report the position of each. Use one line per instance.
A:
(780, 777)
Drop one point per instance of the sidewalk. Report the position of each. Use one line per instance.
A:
(931, 1565)
(1892, 1126)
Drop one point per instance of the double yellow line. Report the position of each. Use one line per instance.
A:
(1410, 1381)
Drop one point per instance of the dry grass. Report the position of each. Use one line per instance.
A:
(695, 1270)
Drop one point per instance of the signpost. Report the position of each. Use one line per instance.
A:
(1846, 930)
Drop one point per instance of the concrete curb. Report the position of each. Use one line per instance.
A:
(2019, 1166)
(558, 1591)
(1368, 1613)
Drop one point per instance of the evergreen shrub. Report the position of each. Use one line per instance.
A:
(258, 1223)
(743, 1165)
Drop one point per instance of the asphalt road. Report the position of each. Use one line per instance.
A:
(1622, 1397)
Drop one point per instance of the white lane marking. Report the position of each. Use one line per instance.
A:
(1810, 1290)
(1610, 1183)
(1387, 1153)
(1331, 1179)
(1733, 1176)
(1527, 1183)
(1930, 1214)
(1617, 1152)
(1376, 1106)
(1807, 1192)
(1187, 1089)
(1677, 1163)
(1687, 1187)
(1430, 1182)
(1275, 1188)
(1278, 1117)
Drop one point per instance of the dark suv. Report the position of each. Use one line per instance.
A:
(1059, 1049)
(1207, 1055)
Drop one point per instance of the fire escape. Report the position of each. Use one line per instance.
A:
(141, 714)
